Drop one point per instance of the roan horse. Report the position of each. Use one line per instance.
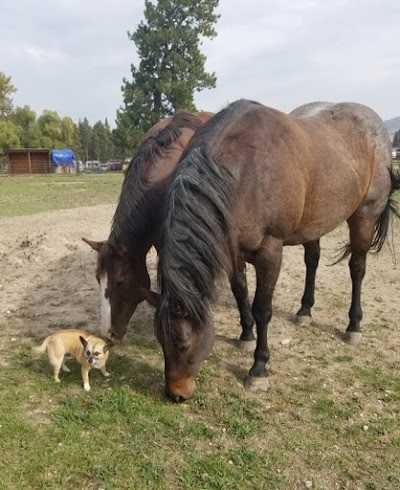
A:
(121, 262)
(252, 180)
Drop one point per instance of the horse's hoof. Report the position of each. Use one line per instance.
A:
(303, 320)
(353, 338)
(253, 383)
(246, 345)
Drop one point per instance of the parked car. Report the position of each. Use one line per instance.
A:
(114, 165)
(80, 165)
(396, 153)
(93, 165)
(103, 167)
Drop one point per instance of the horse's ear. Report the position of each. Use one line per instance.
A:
(94, 245)
(151, 297)
(119, 249)
(178, 309)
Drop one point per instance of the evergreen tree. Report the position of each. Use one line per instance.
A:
(108, 142)
(103, 148)
(85, 137)
(171, 65)
(396, 139)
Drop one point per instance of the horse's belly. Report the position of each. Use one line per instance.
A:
(313, 231)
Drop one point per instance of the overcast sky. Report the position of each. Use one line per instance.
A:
(71, 55)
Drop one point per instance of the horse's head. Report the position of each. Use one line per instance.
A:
(122, 278)
(185, 346)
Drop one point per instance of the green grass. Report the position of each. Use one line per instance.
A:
(330, 419)
(125, 434)
(26, 195)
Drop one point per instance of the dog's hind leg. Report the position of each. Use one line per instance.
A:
(56, 363)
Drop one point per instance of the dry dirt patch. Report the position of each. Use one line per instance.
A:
(47, 282)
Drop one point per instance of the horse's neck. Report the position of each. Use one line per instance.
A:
(137, 246)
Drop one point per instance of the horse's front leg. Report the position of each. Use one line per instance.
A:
(247, 340)
(267, 262)
(311, 258)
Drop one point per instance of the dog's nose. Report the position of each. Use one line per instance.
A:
(90, 360)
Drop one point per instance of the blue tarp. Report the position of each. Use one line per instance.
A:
(62, 157)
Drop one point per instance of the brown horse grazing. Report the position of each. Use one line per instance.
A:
(252, 180)
(121, 263)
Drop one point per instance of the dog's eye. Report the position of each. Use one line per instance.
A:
(88, 352)
(97, 354)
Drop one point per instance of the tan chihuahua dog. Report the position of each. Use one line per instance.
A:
(89, 351)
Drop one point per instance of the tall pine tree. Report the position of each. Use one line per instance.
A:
(171, 66)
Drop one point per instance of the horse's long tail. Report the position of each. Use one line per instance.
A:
(391, 209)
(36, 351)
(383, 223)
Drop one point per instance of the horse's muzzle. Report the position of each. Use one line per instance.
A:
(180, 390)
(116, 338)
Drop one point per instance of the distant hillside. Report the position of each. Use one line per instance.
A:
(393, 125)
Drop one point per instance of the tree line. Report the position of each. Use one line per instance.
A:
(171, 69)
(20, 127)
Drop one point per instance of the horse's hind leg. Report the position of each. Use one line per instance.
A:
(247, 341)
(361, 236)
(267, 262)
(311, 259)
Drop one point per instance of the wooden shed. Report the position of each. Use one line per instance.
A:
(29, 161)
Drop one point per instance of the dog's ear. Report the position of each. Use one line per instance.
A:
(94, 245)
(83, 341)
(107, 347)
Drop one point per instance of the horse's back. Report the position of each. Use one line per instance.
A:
(357, 124)
(359, 136)
(301, 174)
(170, 137)
(204, 116)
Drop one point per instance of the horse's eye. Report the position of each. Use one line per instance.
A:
(120, 284)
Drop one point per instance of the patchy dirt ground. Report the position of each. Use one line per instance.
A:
(47, 282)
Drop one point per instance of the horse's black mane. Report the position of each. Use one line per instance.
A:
(134, 214)
(195, 236)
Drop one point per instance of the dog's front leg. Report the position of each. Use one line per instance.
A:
(104, 372)
(85, 378)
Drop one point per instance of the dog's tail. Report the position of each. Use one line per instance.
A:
(36, 351)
